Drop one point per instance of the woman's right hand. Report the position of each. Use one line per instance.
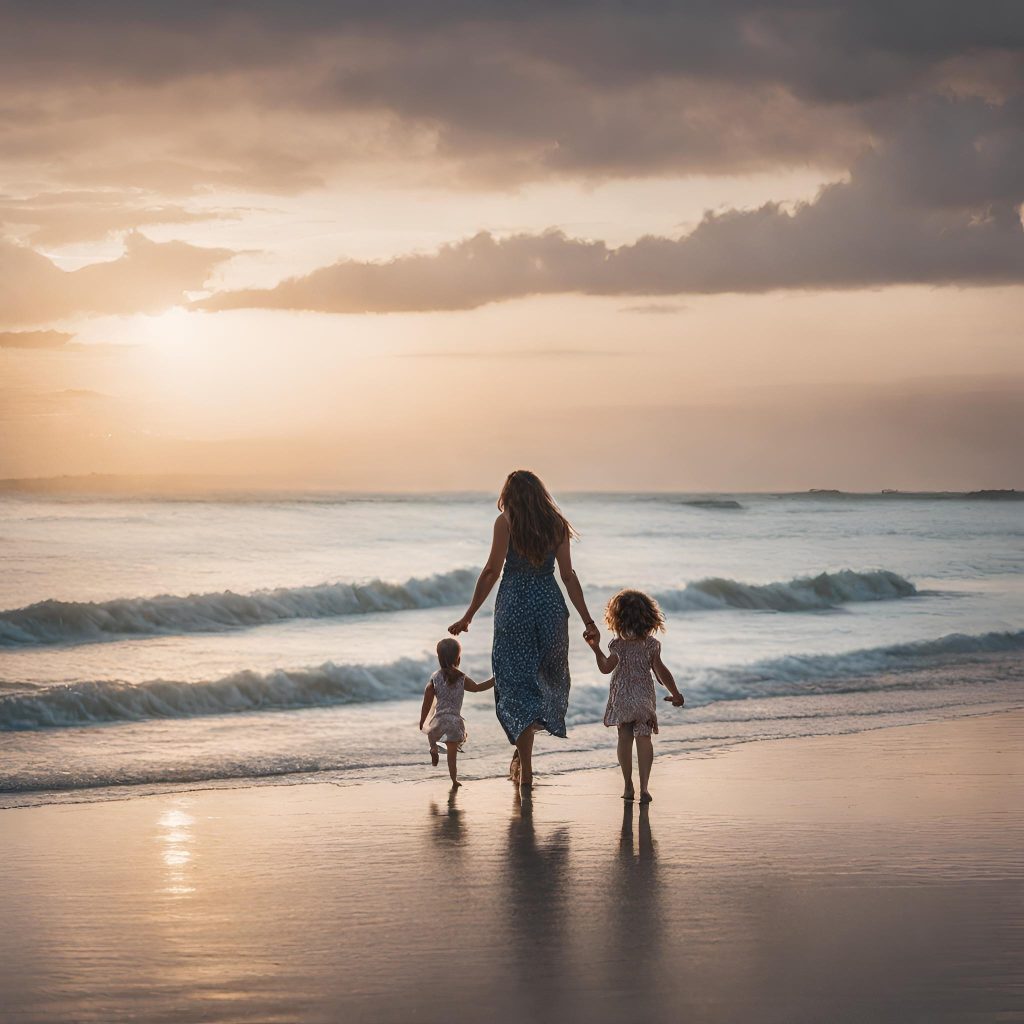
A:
(459, 627)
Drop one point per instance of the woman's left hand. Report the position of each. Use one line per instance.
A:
(461, 626)
(592, 634)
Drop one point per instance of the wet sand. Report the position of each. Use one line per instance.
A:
(874, 877)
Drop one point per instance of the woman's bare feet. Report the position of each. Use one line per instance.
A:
(435, 756)
(628, 793)
(646, 798)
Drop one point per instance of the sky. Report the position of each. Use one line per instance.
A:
(724, 246)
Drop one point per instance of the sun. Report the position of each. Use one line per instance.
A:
(170, 329)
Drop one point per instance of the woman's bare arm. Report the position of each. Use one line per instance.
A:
(488, 576)
(666, 679)
(575, 590)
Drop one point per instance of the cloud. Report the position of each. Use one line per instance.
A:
(136, 104)
(654, 308)
(64, 218)
(148, 277)
(879, 228)
(34, 339)
(285, 96)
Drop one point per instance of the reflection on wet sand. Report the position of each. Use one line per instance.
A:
(634, 917)
(539, 908)
(449, 827)
(175, 837)
(586, 938)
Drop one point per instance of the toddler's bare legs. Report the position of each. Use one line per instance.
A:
(625, 752)
(645, 759)
(453, 753)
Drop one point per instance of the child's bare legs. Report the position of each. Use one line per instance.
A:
(433, 735)
(645, 759)
(625, 752)
(453, 754)
(524, 746)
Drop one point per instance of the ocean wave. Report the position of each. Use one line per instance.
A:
(864, 671)
(50, 622)
(714, 503)
(88, 703)
(56, 622)
(805, 593)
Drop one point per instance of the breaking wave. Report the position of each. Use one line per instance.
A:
(55, 622)
(87, 703)
(805, 593)
(50, 622)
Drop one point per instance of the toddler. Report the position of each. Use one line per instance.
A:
(447, 687)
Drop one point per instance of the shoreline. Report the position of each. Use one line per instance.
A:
(869, 876)
(674, 744)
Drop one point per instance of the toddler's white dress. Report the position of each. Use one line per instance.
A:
(447, 722)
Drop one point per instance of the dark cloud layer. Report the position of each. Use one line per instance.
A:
(831, 49)
(285, 94)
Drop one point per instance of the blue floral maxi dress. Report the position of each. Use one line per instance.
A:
(530, 655)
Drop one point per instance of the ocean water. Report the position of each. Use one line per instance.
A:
(149, 644)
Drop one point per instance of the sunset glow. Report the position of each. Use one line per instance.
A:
(306, 247)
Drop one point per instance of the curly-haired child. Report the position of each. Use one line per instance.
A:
(632, 657)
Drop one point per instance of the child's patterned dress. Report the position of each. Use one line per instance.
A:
(631, 697)
(447, 723)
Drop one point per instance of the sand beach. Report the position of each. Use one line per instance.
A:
(868, 877)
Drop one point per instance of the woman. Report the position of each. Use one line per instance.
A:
(530, 655)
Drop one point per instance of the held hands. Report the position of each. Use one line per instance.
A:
(592, 635)
(461, 626)
(676, 699)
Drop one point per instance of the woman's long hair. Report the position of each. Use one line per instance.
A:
(536, 522)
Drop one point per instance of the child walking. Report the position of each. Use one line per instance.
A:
(632, 704)
(447, 687)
